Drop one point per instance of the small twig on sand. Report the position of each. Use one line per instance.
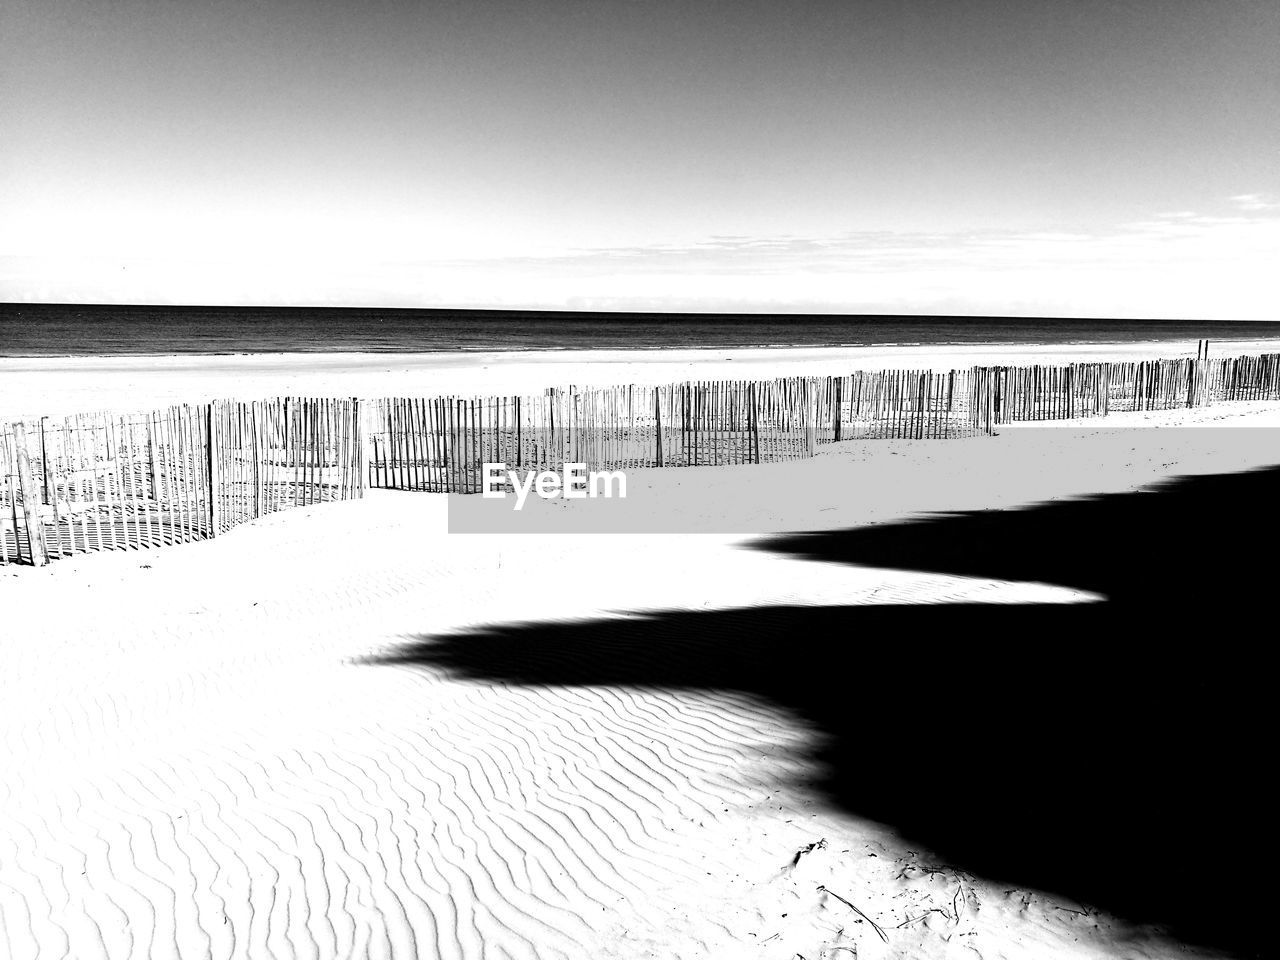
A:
(874, 926)
(907, 923)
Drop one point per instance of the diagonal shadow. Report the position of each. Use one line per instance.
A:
(1137, 547)
(1117, 752)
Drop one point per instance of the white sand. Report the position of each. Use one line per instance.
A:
(199, 764)
(59, 386)
(192, 750)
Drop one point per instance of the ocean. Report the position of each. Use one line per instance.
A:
(55, 330)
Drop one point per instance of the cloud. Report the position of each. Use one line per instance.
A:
(1181, 264)
(1256, 202)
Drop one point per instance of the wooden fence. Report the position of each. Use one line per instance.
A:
(110, 482)
(441, 444)
(897, 405)
(277, 454)
(1245, 378)
(1011, 394)
(96, 482)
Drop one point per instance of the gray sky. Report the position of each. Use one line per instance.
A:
(1096, 157)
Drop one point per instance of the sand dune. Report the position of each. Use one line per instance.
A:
(222, 750)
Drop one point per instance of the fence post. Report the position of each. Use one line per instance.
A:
(811, 418)
(215, 471)
(152, 457)
(359, 452)
(30, 501)
(657, 421)
(1202, 376)
(259, 456)
(922, 405)
(839, 409)
(46, 473)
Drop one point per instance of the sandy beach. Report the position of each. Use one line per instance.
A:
(35, 387)
(343, 732)
(638, 480)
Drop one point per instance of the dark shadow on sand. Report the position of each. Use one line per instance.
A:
(1118, 753)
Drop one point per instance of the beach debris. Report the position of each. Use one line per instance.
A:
(874, 926)
(908, 922)
(817, 845)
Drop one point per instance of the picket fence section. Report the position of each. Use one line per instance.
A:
(898, 405)
(1245, 378)
(277, 454)
(441, 444)
(94, 482)
(1013, 394)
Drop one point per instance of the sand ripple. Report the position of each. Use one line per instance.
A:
(190, 776)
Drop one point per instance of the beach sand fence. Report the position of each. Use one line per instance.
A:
(1009, 394)
(115, 482)
(274, 455)
(898, 405)
(1015, 394)
(1156, 385)
(441, 444)
(1244, 378)
(95, 482)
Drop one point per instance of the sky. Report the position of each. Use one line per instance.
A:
(1014, 157)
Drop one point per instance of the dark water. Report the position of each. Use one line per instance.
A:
(45, 330)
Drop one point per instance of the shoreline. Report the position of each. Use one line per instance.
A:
(958, 346)
(59, 386)
(560, 351)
